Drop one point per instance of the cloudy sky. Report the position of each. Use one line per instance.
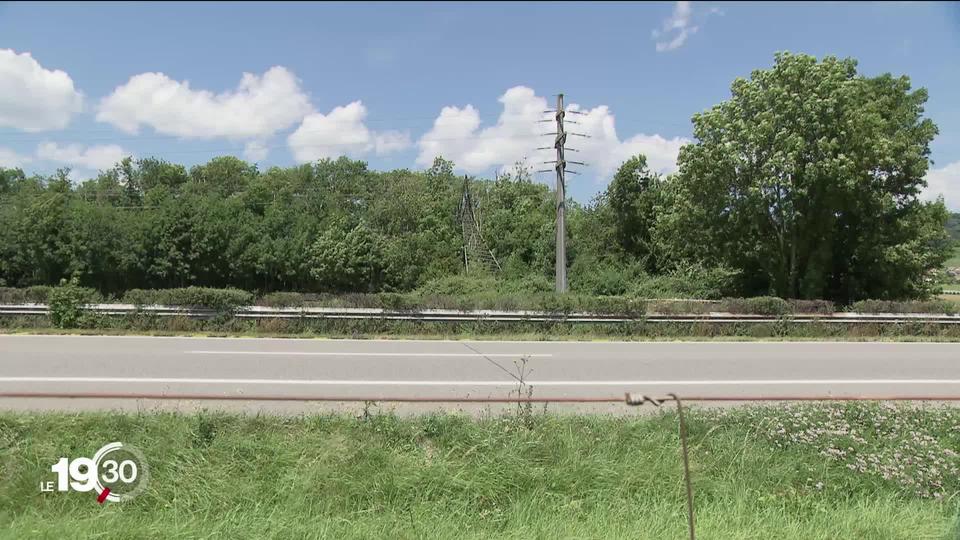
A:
(82, 85)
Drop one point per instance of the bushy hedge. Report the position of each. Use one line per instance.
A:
(460, 285)
(886, 306)
(822, 307)
(484, 293)
(694, 281)
(221, 299)
(282, 299)
(495, 301)
(761, 305)
(38, 294)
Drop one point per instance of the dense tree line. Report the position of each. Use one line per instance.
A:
(803, 184)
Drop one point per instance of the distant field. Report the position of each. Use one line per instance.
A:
(801, 472)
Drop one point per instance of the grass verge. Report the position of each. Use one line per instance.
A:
(810, 472)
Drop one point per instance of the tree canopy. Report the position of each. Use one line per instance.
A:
(804, 184)
(806, 180)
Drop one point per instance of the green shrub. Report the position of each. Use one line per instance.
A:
(10, 295)
(600, 279)
(761, 305)
(397, 302)
(282, 299)
(693, 281)
(529, 284)
(140, 297)
(459, 285)
(821, 307)
(67, 301)
(37, 294)
(891, 306)
(615, 305)
(219, 299)
(358, 300)
(681, 307)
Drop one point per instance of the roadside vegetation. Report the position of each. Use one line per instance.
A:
(66, 311)
(802, 185)
(458, 293)
(797, 472)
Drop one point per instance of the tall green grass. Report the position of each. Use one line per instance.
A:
(445, 476)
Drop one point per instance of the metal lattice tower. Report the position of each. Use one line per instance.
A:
(476, 254)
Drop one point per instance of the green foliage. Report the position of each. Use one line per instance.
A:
(763, 305)
(824, 307)
(282, 299)
(37, 294)
(348, 260)
(633, 199)
(807, 180)
(886, 306)
(477, 292)
(66, 303)
(441, 476)
(803, 185)
(528, 284)
(219, 299)
(688, 281)
(460, 285)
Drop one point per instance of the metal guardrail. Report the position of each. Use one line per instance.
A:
(447, 315)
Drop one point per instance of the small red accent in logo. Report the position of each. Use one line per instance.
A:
(103, 495)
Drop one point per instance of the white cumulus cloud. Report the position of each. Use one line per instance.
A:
(96, 157)
(259, 106)
(342, 132)
(33, 98)
(456, 135)
(945, 181)
(11, 159)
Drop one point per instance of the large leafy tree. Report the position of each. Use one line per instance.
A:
(632, 196)
(806, 180)
(349, 259)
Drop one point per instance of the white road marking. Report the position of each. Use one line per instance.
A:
(364, 382)
(410, 354)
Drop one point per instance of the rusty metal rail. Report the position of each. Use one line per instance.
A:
(630, 398)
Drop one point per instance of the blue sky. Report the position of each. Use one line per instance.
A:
(395, 83)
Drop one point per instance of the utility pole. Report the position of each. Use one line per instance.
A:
(560, 167)
(561, 164)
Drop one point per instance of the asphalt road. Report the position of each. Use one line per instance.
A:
(375, 370)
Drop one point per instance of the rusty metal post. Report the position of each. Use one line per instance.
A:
(656, 402)
(686, 465)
